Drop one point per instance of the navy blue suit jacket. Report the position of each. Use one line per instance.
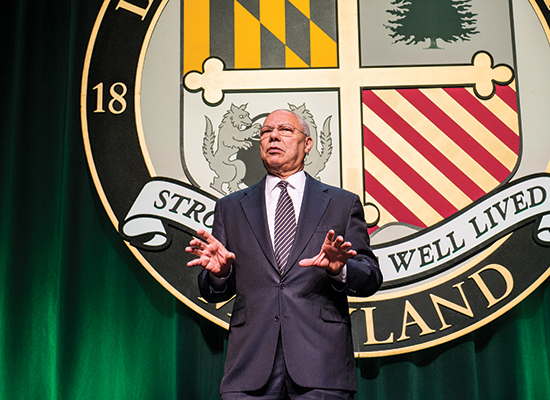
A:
(305, 307)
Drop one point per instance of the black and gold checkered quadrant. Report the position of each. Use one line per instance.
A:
(250, 34)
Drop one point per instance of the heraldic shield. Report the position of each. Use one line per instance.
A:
(426, 127)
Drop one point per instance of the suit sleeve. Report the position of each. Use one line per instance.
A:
(363, 271)
(210, 292)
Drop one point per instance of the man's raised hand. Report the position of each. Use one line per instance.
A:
(213, 256)
(333, 255)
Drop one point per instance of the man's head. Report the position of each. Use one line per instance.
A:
(284, 143)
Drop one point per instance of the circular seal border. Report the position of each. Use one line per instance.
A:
(103, 154)
(118, 67)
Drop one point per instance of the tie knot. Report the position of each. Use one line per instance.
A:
(282, 184)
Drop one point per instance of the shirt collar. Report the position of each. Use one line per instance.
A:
(296, 181)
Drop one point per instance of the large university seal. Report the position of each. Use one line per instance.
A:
(435, 118)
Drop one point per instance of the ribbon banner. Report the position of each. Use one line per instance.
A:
(444, 245)
(162, 202)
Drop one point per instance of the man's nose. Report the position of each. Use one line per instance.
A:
(274, 137)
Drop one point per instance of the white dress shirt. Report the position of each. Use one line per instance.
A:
(295, 189)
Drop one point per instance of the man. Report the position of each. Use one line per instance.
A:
(290, 333)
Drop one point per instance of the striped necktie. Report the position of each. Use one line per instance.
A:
(285, 227)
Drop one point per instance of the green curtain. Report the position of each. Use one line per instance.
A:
(82, 319)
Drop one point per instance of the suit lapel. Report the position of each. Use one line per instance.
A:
(253, 205)
(314, 205)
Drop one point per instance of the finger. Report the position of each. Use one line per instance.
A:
(196, 243)
(194, 262)
(230, 257)
(338, 242)
(207, 236)
(329, 237)
(201, 232)
(306, 262)
(345, 246)
(351, 253)
(193, 250)
(314, 261)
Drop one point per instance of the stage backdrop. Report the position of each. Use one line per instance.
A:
(83, 319)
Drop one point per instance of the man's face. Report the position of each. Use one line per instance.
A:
(284, 147)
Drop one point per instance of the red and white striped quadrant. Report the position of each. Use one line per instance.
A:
(430, 152)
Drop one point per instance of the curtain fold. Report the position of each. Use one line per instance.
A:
(82, 319)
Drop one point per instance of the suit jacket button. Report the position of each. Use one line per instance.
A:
(281, 286)
(276, 318)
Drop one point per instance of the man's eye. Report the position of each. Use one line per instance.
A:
(286, 129)
(265, 132)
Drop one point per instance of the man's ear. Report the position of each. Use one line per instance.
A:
(309, 144)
